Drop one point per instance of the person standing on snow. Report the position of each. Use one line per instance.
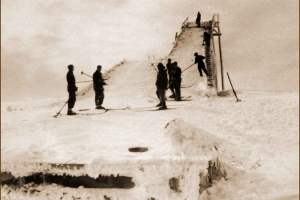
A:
(161, 84)
(71, 90)
(201, 65)
(198, 20)
(98, 87)
(170, 72)
(177, 81)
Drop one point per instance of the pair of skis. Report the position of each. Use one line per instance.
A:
(183, 98)
(188, 98)
(99, 112)
(104, 110)
(154, 108)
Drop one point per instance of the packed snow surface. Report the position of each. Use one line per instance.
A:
(256, 140)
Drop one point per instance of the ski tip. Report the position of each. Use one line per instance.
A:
(85, 109)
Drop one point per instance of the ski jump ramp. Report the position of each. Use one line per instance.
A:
(87, 156)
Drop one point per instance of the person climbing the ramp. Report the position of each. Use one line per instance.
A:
(98, 87)
(201, 65)
(161, 84)
(206, 39)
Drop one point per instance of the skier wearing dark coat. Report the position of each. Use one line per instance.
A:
(198, 20)
(98, 87)
(162, 84)
(71, 90)
(201, 65)
(170, 72)
(177, 81)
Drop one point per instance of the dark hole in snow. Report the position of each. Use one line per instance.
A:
(138, 149)
(224, 93)
(72, 181)
(174, 184)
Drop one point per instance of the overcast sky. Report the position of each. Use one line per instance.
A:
(40, 38)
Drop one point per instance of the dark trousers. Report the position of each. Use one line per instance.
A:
(161, 94)
(72, 100)
(207, 42)
(200, 68)
(177, 84)
(99, 97)
(171, 86)
(157, 94)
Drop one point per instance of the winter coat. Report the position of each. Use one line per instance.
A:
(198, 17)
(162, 80)
(71, 82)
(170, 70)
(199, 60)
(177, 74)
(206, 38)
(98, 81)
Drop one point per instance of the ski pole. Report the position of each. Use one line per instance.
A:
(83, 81)
(86, 74)
(60, 109)
(153, 66)
(187, 68)
(237, 100)
(89, 75)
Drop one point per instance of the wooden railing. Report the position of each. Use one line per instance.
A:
(182, 27)
(184, 23)
(216, 24)
(213, 53)
(210, 56)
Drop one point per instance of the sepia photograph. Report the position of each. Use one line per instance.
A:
(149, 100)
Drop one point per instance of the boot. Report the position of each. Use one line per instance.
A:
(178, 99)
(158, 105)
(70, 112)
(99, 107)
(172, 96)
(163, 107)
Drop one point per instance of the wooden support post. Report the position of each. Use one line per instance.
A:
(221, 60)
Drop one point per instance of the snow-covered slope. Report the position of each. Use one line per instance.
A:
(253, 143)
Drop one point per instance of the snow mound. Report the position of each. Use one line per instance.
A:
(190, 142)
(200, 152)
